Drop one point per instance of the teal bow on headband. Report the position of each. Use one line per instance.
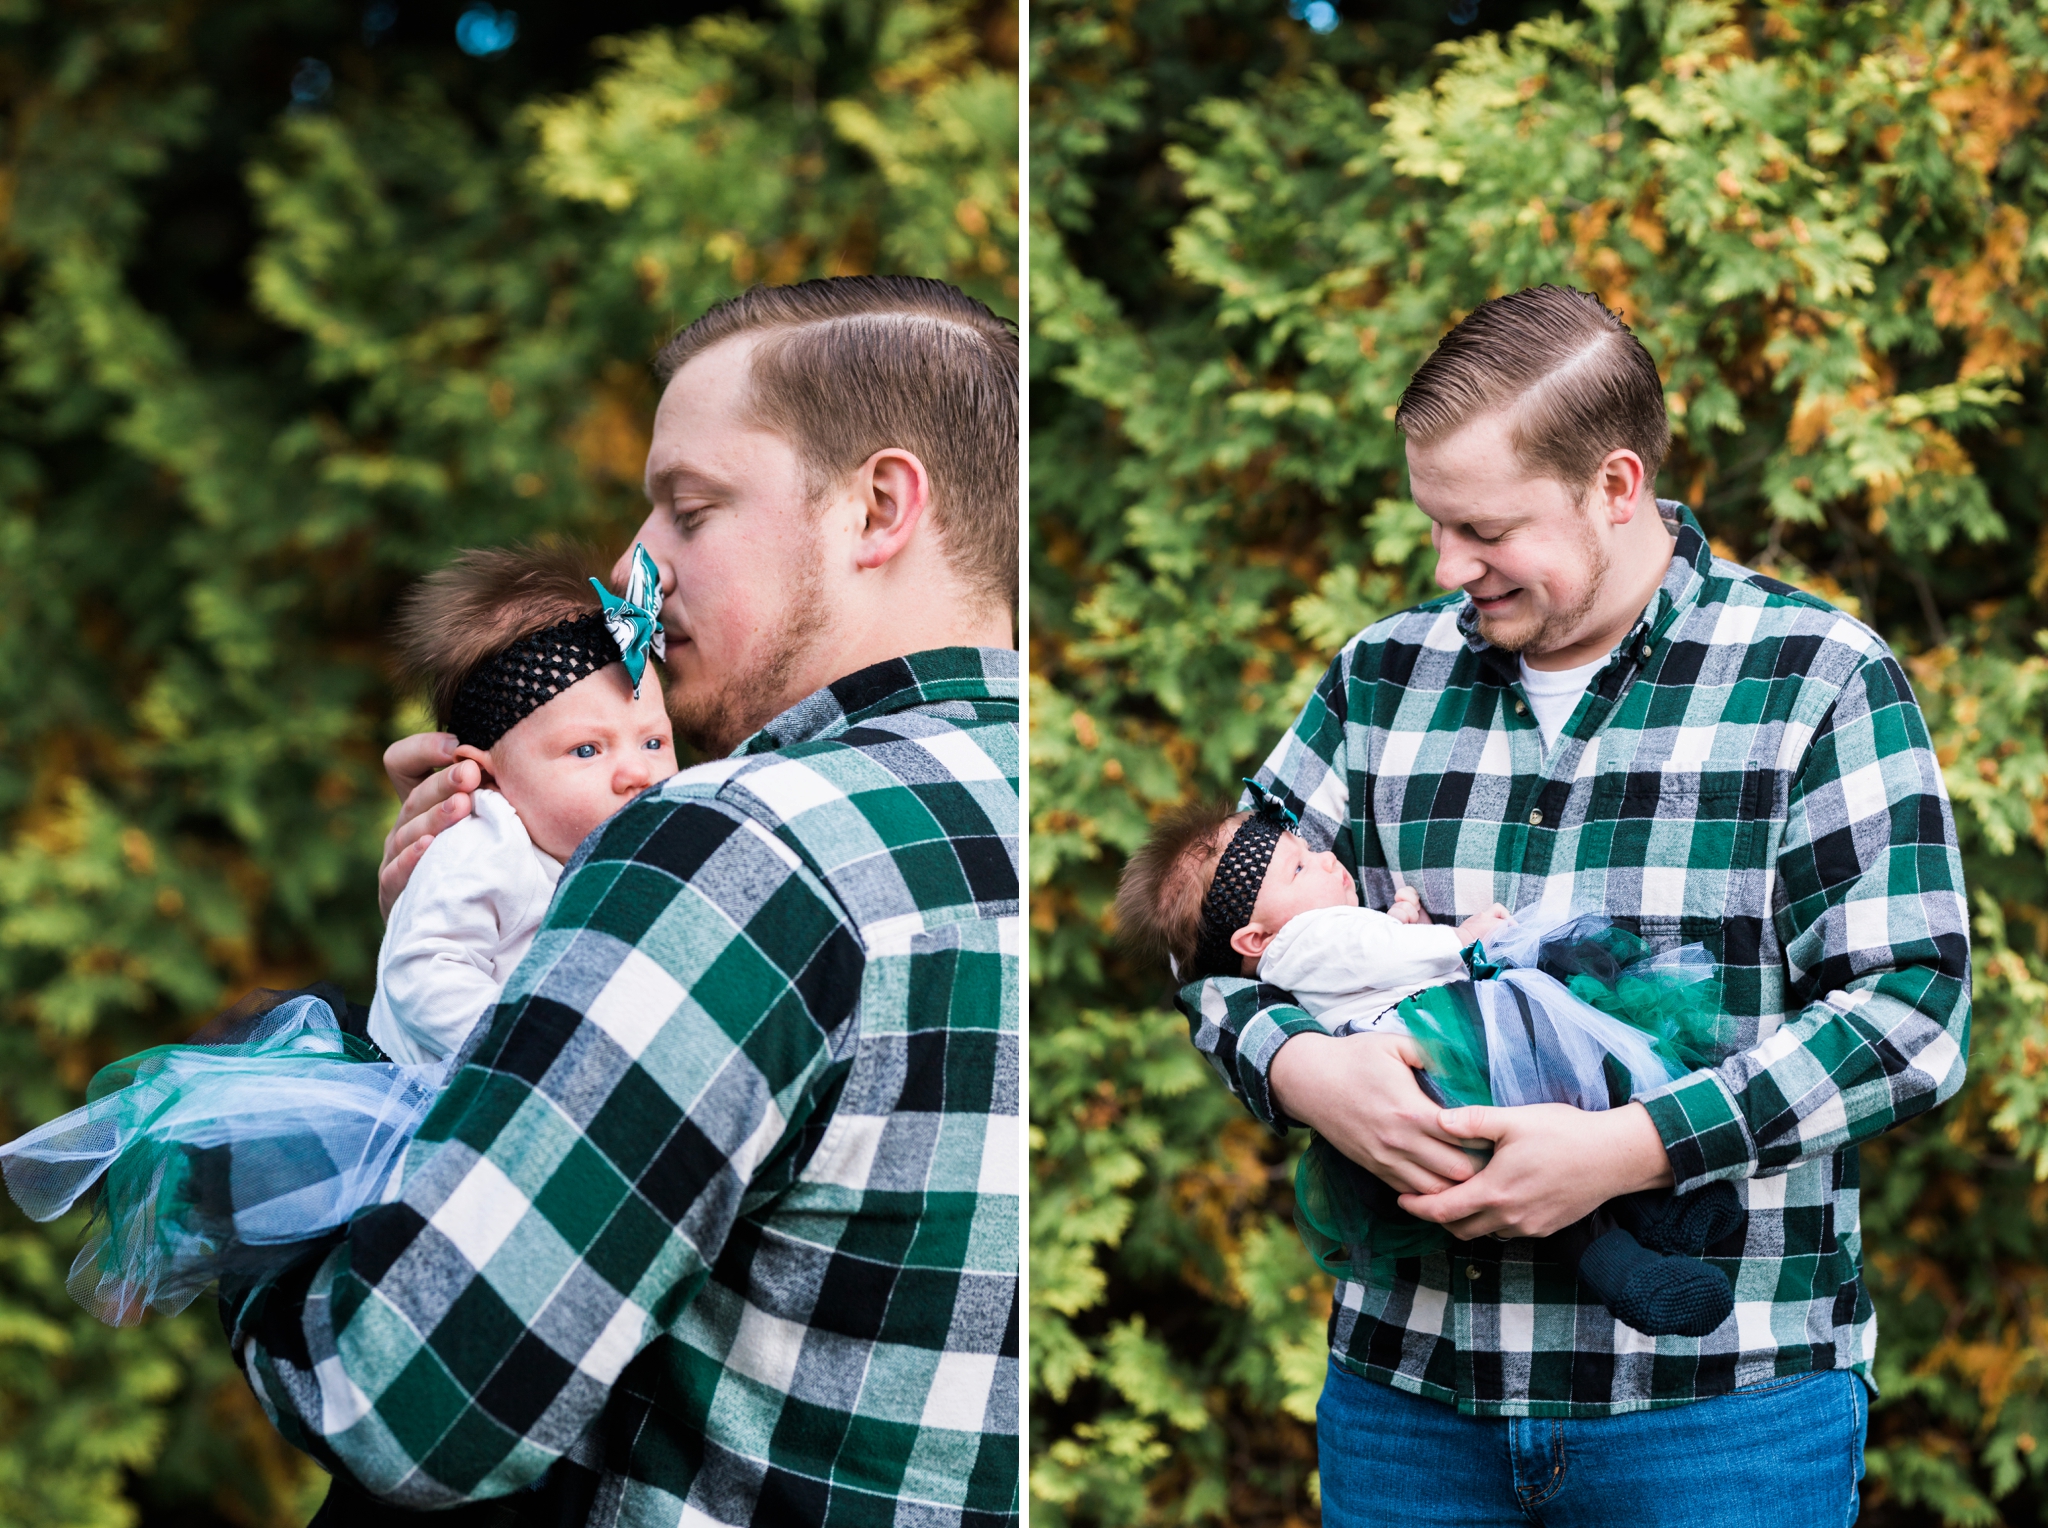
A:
(1269, 801)
(635, 620)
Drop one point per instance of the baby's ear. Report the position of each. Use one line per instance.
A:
(1250, 941)
(480, 757)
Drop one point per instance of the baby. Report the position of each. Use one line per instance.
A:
(224, 1155)
(526, 667)
(1224, 893)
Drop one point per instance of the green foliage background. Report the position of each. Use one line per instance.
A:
(259, 368)
(1829, 224)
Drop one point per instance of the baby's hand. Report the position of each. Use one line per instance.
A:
(1407, 906)
(1476, 928)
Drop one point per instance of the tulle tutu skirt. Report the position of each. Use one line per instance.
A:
(222, 1155)
(1576, 1012)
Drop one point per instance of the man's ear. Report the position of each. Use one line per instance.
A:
(1618, 486)
(1250, 941)
(895, 493)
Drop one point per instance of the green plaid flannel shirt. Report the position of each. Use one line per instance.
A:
(1750, 771)
(723, 1203)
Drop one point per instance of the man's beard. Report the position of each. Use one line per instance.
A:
(716, 721)
(1555, 629)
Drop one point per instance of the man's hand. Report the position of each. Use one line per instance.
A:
(432, 798)
(1552, 1164)
(1359, 1094)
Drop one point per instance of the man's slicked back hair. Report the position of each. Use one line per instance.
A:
(1576, 382)
(851, 365)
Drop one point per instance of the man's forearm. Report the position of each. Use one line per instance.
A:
(1635, 1158)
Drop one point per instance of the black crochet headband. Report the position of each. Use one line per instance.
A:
(510, 686)
(1240, 872)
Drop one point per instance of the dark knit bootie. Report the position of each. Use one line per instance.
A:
(1686, 1224)
(1660, 1296)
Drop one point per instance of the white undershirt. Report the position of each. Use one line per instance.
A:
(1554, 694)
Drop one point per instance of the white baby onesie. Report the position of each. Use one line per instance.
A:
(470, 911)
(1349, 966)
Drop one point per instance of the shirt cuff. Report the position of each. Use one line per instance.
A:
(1703, 1131)
(1257, 1045)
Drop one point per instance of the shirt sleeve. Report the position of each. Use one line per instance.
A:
(1239, 1024)
(1871, 916)
(667, 1040)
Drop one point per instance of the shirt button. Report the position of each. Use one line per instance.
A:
(1643, 652)
(1520, 709)
(1535, 819)
(1471, 1270)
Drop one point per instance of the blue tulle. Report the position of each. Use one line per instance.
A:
(220, 1156)
(1574, 1011)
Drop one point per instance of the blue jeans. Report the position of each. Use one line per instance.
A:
(1783, 1454)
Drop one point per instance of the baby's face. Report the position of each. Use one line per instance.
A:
(569, 765)
(1300, 881)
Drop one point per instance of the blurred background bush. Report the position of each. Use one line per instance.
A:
(1829, 224)
(296, 297)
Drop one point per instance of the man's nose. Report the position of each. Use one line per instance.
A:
(654, 535)
(1455, 564)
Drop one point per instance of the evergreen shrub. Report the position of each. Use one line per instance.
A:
(274, 340)
(1829, 224)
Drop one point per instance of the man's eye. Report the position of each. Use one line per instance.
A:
(586, 750)
(689, 520)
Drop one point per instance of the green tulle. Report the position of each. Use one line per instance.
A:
(1350, 1221)
(222, 1156)
(1445, 1022)
(337, 1045)
(1677, 1007)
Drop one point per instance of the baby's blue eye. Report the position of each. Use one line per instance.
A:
(586, 750)
(654, 744)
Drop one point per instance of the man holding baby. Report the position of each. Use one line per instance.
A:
(717, 1219)
(1605, 717)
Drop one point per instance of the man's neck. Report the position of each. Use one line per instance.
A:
(860, 638)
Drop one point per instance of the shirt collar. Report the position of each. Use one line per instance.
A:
(895, 684)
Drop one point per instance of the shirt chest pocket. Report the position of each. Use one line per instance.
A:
(1682, 851)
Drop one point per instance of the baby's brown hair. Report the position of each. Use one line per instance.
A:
(486, 599)
(1159, 897)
